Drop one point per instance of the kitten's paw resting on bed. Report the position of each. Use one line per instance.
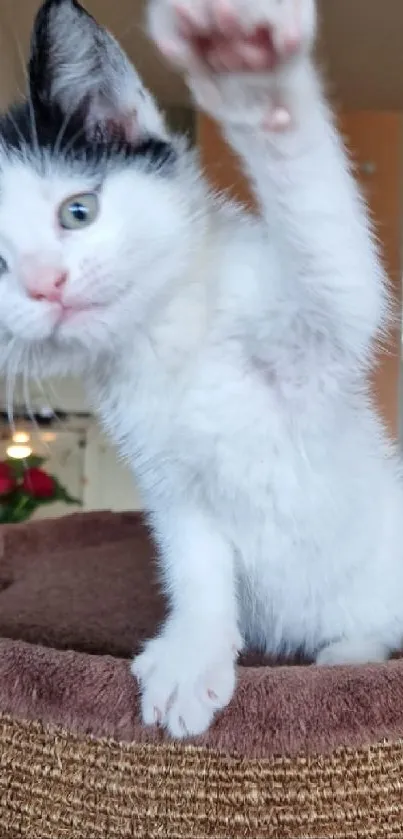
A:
(185, 677)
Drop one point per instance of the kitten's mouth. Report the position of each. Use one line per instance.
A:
(66, 313)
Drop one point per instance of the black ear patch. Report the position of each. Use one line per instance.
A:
(85, 98)
(41, 61)
(78, 68)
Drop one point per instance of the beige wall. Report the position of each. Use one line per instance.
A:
(362, 45)
(11, 73)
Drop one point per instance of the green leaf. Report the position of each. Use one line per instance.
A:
(19, 467)
(34, 461)
(4, 513)
(64, 496)
(19, 509)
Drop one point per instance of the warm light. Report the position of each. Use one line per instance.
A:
(19, 452)
(20, 437)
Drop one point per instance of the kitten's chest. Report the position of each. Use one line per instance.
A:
(218, 427)
(135, 415)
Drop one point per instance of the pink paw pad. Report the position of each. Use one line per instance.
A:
(279, 119)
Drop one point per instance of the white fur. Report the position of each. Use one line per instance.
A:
(228, 361)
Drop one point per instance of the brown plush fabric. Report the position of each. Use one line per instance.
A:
(77, 597)
(86, 582)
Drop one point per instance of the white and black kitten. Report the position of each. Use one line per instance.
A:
(226, 354)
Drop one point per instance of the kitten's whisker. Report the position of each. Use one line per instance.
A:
(27, 400)
(36, 375)
(130, 29)
(22, 60)
(17, 129)
(71, 142)
(49, 393)
(9, 400)
(11, 376)
(34, 130)
(46, 390)
(62, 131)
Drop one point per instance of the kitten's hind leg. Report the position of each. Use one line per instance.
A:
(353, 651)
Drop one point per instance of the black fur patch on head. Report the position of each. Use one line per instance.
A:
(39, 67)
(87, 125)
(31, 132)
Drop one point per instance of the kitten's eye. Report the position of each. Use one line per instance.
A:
(3, 266)
(79, 211)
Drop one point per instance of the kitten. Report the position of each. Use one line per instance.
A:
(226, 354)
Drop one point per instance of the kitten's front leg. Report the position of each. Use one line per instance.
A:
(187, 673)
(249, 64)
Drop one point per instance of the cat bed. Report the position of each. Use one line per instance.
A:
(302, 752)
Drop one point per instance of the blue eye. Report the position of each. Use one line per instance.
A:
(3, 266)
(79, 211)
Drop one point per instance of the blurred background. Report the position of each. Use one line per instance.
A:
(362, 54)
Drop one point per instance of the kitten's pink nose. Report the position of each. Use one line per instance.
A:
(44, 282)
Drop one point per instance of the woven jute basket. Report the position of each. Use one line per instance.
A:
(54, 785)
(301, 752)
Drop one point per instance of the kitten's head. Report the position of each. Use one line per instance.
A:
(93, 209)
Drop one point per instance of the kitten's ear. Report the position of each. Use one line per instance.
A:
(77, 66)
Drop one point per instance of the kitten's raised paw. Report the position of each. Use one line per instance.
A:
(232, 35)
(184, 681)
